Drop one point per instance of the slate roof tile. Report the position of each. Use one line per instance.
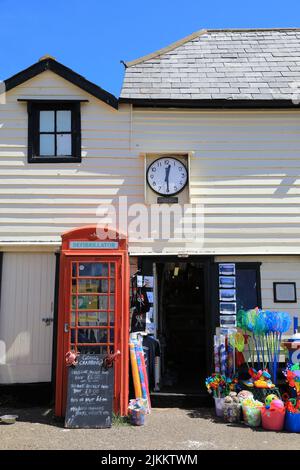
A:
(219, 64)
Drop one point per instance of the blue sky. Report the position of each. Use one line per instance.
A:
(92, 36)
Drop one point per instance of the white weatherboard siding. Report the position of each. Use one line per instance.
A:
(27, 295)
(244, 172)
(40, 201)
(274, 269)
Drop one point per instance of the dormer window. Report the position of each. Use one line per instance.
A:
(54, 132)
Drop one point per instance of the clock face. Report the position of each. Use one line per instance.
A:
(167, 176)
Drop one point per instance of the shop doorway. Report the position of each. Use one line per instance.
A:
(182, 326)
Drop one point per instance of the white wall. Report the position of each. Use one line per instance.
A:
(244, 171)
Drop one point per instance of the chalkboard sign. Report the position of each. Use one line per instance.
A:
(90, 393)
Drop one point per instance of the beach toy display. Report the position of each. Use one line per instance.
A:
(292, 416)
(139, 372)
(264, 329)
(232, 408)
(273, 414)
(137, 409)
(292, 376)
(218, 386)
(252, 411)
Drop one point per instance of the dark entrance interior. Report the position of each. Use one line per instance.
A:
(181, 326)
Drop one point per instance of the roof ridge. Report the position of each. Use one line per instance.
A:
(165, 49)
(49, 63)
(217, 30)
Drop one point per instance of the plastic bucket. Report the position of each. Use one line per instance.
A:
(232, 412)
(272, 419)
(252, 415)
(292, 422)
(219, 406)
(137, 417)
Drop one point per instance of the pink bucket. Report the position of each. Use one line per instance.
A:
(272, 419)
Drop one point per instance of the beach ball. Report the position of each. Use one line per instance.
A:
(270, 398)
(278, 404)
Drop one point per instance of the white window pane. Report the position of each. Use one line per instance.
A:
(63, 121)
(64, 144)
(47, 144)
(46, 121)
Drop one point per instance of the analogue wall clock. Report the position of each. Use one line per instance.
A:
(167, 176)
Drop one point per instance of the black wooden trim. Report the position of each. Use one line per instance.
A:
(64, 72)
(33, 108)
(275, 284)
(55, 323)
(30, 100)
(210, 103)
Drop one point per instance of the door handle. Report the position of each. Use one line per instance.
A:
(66, 327)
(48, 320)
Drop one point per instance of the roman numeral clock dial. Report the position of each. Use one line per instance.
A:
(167, 176)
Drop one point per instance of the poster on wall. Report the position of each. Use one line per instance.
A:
(228, 295)
(227, 308)
(227, 321)
(227, 282)
(227, 269)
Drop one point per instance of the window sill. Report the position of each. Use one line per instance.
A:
(54, 159)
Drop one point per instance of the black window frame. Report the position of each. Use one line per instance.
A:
(34, 109)
(278, 301)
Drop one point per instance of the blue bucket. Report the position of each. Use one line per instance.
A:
(292, 422)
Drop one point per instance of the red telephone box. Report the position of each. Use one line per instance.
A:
(93, 314)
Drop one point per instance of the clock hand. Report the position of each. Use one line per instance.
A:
(168, 168)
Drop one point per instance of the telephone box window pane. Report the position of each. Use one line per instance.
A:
(98, 286)
(47, 146)
(74, 286)
(93, 269)
(111, 318)
(63, 121)
(46, 121)
(92, 318)
(89, 285)
(102, 336)
(74, 269)
(88, 302)
(112, 286)
(102, 318)
(112, 270)
(112, 302)
(64, 144)
(103, 302)
(73, 318)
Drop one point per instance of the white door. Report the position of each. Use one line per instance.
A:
(27, 297)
